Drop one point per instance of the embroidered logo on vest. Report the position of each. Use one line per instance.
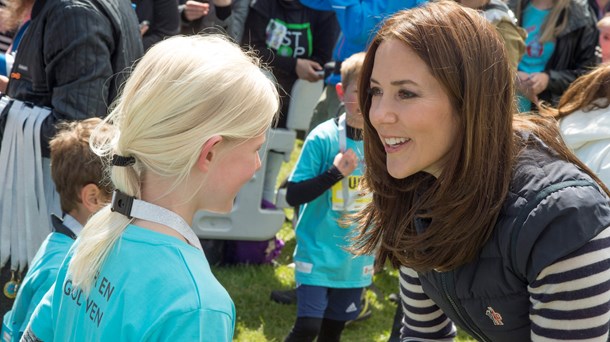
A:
(495, 317)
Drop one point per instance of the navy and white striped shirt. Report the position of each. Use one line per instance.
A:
(570, 300)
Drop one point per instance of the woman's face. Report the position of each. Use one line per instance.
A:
(411, 112)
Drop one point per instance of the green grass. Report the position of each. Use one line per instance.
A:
(259, 319)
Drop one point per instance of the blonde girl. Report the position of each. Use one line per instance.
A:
(192, 118)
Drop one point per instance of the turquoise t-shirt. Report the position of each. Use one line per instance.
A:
(536, 54)
(152, 287)
(320, 257)
(39, 279)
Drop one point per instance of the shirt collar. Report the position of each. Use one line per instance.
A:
(72, 224)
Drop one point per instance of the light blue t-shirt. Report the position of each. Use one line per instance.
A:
(320, 256)
(536, 54)
(152, 287)
(39, 279)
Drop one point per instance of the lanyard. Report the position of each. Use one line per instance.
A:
(343, 148)
(27, 174)
(43, 185)
(132, 207)
(7, 168)
(19, 212)
(24, 221)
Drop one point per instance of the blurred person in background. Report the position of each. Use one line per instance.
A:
(72, 58)
(158, 19)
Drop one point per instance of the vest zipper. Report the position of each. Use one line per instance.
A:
(469, 325)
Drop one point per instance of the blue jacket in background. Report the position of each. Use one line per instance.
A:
(359, 21)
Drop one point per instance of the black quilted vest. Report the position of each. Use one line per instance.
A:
(552, 209)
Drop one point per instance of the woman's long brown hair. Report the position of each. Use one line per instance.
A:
(466, 55)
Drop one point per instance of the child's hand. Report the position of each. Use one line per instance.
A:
(144, 26)
(540, 81)
(308, 70)
(346, 162)
(194, 10)
(3, 83)
(525, 86)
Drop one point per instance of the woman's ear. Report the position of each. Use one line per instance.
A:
(208, 153)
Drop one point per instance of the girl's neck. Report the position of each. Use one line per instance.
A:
(155, 191)
(353, 122)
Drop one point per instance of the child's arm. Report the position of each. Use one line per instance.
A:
(298, 193)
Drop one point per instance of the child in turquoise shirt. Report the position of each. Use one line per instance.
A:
(325, 183)
(190, 123)
(78, 175)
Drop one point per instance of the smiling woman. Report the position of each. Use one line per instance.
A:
(496, 226)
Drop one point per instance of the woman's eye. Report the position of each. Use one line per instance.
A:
(374, 91)
(405, 94)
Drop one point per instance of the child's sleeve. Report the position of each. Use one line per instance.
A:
(314, 172)
(32, 295)
(308, 190)
(41, 323)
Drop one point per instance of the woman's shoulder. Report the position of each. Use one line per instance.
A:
(538, 167)
(540, 174)
(552, 209)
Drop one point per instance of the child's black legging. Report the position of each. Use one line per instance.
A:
(306, 329)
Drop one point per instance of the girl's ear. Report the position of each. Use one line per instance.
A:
(208, 152)
(340, 92)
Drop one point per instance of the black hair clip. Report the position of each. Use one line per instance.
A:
(122, 161)
(122, 203)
